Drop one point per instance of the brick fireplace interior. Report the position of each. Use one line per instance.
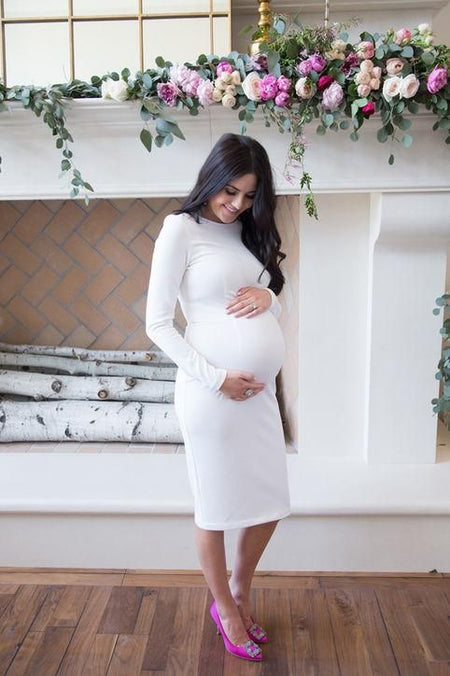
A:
(76, 275)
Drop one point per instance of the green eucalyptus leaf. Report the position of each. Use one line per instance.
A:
(382, 135)
(320, 130)
(407, 140)
(65, 165)
(345, 124)
(391, 159)
(160, 62)
(407, 52)
(146, 139)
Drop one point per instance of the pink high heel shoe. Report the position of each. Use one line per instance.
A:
(246, 651)
(257, 633)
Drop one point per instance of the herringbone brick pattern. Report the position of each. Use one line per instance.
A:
(72, 274)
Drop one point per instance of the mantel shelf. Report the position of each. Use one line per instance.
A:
(110, 156)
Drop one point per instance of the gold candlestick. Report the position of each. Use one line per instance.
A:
(263, 26)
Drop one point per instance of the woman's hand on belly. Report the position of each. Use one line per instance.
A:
(250, 301)
(240, 385)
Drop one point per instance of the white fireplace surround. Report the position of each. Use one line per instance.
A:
(368, 491)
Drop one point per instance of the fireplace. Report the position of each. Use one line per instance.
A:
(76, 275)
(367, 467)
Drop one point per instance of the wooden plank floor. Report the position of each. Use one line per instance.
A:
(126, 623)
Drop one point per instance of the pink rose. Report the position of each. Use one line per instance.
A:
(168, 92)
(366, 66)
(437, 79)
(284, 83)
(368, 109)
(317, 62)
(375, 83)
(305, 88)
(332, 96)
(363, 90)
(324, 82)
(409, 86)
(402, 36)
(268, 87)
(304, 67)
(228, 100)
(282, 99)
(205, 92)
(376, 72)
(394, 66)
(224, 67)
(365, 49)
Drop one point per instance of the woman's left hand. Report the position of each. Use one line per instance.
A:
(249, 302)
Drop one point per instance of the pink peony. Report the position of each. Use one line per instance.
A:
(332, 96)
(268, 87)
(437, 79)
(365, 49)
(191, 82)
(224, 67)
(282, 99)
(317, 62)
(324, 82)
(205, 92)
(168, 92)
(402, 36)
(368, 109)
(304, 67)
(284, 83)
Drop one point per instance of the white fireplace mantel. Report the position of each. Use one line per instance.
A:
(110, 156)
(365, 473)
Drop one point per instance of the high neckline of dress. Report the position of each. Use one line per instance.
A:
(219, 224)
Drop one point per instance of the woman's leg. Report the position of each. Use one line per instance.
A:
(251, 544)
(211, 553)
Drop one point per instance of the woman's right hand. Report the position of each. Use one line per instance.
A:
(238, 383)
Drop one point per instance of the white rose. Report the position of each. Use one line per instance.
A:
(428, 40)
(228, 101)
(230, 89)
(217, 95)
(251, 87)
(226, 78)
(409, 86)
(391, 87)
(423, 28)
(363, 90)
(339, 45)
(117, 90)
(305, 88)
(334, 54)
(362, 78)
(235, 77)
(219, 84)
(366, 66)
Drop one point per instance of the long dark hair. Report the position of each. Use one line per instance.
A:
(232, 157)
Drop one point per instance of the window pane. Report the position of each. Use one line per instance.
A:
(103, 46)
(49, 63)
(30, 8)
(221, 30)
(177, 40)
(174, 6)
(102, 7)
(222, 5)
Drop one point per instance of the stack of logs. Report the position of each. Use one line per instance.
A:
(74, 394)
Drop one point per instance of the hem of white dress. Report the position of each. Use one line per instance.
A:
(243, 524)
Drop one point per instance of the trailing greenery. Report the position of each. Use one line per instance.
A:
(442, 403)
(302, 74)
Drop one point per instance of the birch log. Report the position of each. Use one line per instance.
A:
(88, 421)
(155, 356)
(41, 386)
(95, 368)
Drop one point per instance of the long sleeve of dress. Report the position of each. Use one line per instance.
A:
(275, 307)
(170, 259)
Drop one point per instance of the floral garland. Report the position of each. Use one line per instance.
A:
(302, 73)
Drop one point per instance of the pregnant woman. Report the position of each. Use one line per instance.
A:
(220, 254)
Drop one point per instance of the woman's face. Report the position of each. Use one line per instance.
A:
(237, 196)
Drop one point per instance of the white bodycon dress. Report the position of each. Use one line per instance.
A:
(235, 450)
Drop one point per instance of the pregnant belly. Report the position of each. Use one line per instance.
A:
(254, 345)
